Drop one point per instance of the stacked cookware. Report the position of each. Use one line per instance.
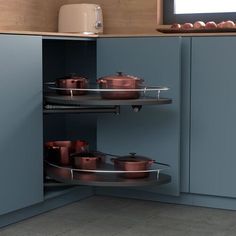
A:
(76, 154)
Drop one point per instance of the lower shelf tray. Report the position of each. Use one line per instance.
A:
(71, 177)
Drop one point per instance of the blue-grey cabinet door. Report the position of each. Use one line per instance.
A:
(155, 130)
(21, 158)
(213, 116)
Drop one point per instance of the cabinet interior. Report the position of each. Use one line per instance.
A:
(60, 58)
(144, 132)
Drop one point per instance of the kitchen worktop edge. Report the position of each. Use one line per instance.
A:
(75, 35)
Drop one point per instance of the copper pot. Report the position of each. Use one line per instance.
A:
(120, 81)
(80, 146)
(62, 155)
(86, 161)
(133, 162)
(59, 152)
(72, 82)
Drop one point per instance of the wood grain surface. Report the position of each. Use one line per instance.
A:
(120, 16)
(127, 16)
(31, 15)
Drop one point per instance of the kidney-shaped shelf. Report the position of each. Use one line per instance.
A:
(106, 175)
(94, 99)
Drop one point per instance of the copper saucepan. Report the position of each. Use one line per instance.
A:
(87, 160)
(120, 81)
(72, 81)
(133, 162)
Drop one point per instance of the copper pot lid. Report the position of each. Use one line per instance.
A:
(120, 75)
(133, 158)
(72, 76)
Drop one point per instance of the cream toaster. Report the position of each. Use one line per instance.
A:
(80, 18)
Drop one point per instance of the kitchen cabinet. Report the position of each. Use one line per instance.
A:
(213, 115)
(29, 61)
(155, 130)
(21, 136)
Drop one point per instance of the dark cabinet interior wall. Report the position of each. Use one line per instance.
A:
(60, 58)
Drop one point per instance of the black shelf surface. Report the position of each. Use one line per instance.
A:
(64, 175)
(96, 100)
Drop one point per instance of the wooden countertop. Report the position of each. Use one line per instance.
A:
(152, 34)
(54, 34)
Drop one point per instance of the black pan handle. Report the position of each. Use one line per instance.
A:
(107, 154)
(159, 163)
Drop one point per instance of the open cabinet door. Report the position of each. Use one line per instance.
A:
(154, 131)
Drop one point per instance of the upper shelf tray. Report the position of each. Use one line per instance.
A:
(96, 100)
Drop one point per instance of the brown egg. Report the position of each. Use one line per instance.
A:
(176, 26)
(211, 25)
(221, 24)
(187, 26)
(199, 25)
(228, 24)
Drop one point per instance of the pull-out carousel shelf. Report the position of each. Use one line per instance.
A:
(96, 100)
(93, 102)
(105, 176)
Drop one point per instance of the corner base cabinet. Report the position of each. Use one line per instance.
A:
(27, 62)
(21, 169)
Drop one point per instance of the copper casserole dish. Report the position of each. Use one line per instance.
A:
(120, 81)
(133, 162)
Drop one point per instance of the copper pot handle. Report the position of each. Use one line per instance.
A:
(101, 81)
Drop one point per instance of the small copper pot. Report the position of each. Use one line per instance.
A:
(72, 82)
(120, 81)
(133, 162)
(86, 161)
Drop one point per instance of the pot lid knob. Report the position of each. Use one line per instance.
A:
(119, 73)
(132, 154)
